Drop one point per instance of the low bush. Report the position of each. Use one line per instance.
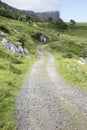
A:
(36, 35)
(4, 29)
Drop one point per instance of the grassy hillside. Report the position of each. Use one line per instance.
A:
(67, 52)
(13, 71)
(13, 13)
(67, 49)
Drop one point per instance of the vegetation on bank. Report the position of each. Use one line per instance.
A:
(12, 76)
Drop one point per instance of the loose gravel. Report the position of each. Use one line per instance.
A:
(47, 103)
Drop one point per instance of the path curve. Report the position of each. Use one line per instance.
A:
(47, 103)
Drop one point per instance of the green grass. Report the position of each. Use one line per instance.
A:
(13, 71)
(67, 53)
(73, 72)
(43, 72)
(80, 30)
(12, 77)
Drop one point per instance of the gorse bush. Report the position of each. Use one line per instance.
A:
(4, 29)
(36, 35)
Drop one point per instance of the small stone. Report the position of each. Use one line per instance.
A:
(28, 57)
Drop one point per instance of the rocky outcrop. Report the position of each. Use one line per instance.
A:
(29, 12)
(42, 15)
(24, 13)
(11, 47)
(82, 60)
(41, 37)
(52, 14)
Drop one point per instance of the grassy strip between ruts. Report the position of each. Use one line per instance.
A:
(12, 77)
(43, 72)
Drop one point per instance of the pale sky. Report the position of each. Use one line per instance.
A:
(69, 9)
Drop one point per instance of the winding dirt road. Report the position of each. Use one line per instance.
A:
(47, 103)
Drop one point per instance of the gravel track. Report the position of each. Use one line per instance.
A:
(47, 103)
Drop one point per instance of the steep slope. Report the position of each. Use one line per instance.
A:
(13, 70)
(11, 12)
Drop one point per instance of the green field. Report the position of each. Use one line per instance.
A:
(67, 52)
(80, 30)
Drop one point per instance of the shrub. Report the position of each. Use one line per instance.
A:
(4, 29)
(36, 36)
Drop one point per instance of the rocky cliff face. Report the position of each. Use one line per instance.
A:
(29, 12)
(16, 12)
(52, 14)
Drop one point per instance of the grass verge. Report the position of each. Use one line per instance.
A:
(12, 77)
(66, 55)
